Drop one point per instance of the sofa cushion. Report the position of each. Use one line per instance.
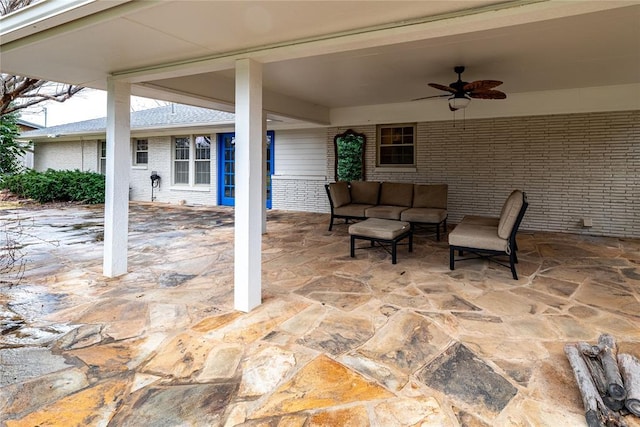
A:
(385, 212)
(396, 194)
(510, 212)
(424, 215)
(477, 236)
(352, 209)
(365, 192)
(430, 196)
(340, 194)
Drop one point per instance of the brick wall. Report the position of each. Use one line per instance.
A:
(571, 166)
(66, 155)
(160, 161)
(300, 193)
(300, 170)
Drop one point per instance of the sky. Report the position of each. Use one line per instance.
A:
(86, 104)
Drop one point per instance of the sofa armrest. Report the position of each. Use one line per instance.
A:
(338, 193)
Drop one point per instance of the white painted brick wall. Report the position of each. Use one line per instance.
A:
(300, 170)
(300, 193)
(59, 155)
(571, 167)
(160, 160)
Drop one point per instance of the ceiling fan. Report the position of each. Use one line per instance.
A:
(463, 92)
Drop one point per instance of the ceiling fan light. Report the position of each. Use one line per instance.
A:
(458, 102)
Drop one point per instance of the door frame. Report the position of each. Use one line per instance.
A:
(230, 201)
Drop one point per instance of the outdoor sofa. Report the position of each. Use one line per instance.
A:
(488, 237)
(414, 203)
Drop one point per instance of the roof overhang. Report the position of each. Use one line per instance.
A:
(323, 58)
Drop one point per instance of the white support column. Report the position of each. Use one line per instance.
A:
(248, 180)
(264, 173)
(116, 207)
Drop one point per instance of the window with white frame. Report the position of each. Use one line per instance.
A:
(192, 160)
(396, 145)
(102, 157)
(181, 160)
(203, 159)
(140, 152)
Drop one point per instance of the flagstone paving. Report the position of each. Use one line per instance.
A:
(338, 341)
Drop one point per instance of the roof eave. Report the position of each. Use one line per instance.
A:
(160, 130)
(49, 14)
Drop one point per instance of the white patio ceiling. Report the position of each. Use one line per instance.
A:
(320, 56)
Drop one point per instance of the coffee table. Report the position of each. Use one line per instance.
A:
(384, 232)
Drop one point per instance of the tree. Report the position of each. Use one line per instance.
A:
(18, 92)
(8, 6)
(10, 148)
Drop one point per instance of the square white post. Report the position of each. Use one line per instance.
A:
(264, 174)
(116, 206)
(249, 184)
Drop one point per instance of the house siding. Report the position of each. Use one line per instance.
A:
(571, 166)
(300, 170)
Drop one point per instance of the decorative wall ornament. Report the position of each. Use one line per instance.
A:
(349, 154)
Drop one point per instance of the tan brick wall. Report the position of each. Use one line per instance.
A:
(571, 166)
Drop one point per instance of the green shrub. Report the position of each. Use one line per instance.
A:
(59, 186)
(10, 148)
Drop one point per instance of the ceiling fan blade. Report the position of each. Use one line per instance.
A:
(433, 96)
(481, 85)
(442, 87)
(488, 94)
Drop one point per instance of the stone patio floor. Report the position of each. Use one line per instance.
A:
(337, 341)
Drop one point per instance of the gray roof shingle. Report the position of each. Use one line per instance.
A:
(168, 115)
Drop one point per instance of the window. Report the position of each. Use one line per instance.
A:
(141, 152)
(396, 145)
(103, 157)
(192, 160)
(181, 160)
(203, 159)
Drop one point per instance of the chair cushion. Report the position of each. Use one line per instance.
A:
(478, 237)
(424, 215)
(510, 212)
(365, 192)
(379, 228)
(385, 212)
(340, 195)
(481, 220)
(396, 194)
(430, 196)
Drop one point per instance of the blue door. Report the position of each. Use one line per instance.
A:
(226, 167)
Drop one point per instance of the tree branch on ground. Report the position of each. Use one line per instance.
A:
(12, 262)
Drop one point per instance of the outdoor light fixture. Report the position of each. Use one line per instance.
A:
(458, 102)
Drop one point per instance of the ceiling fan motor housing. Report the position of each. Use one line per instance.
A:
(458, 85)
